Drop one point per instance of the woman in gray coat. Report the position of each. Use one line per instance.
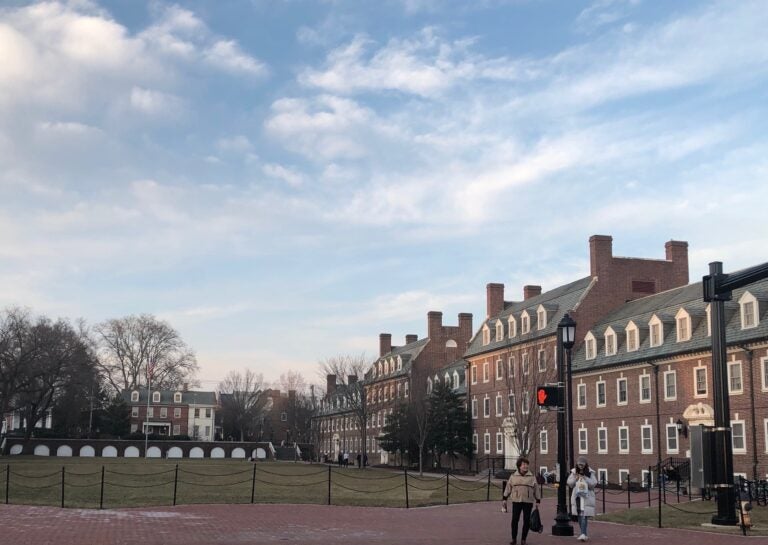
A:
(582, 481)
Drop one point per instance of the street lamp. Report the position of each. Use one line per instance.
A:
(566, 335)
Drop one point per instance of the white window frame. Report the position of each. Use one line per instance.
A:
(735, 365)
(511, 403)
(486, 335)
(499, 369)
(487, 443)
(738, 423)
(525, 322)
(486, 407)
(643, 429)
(618, 391)
(134, 412)
(602, 440)
(671, 439)
(155, 397)
(583, 441)
(749, 319)
(511, 364)
(499, 405)
(134, 397)
(475, 440)
(667, 375)
(623, 476)
(486, 372)
(764, 376)
(625, 430)
(602, 476)
(658, 341)
(499, 442)
(610, 342)
(163, 412)
(542, 359)
(541, 317)
(765, 433)
(499, 330)
(473, 373)
(526, 365)
(525, 406)
(590, 346)
(598, 385)
(512, 326)
(543, 442)
(581, 395)
(474, 407)
(456, 382)
(696, 370)
(631, 331)
(640, 380)
(177, 397)
(683, 325)
(177, 412)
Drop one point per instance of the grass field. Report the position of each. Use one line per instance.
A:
(694, 515)
(140, 483)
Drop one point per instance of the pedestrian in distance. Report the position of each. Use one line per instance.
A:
(524, 492)
(582, 481)
(359, 459)
(340, 459)
(346, 459)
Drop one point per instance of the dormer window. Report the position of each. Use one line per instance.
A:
(512, 326)
(525, 322)
(381, 368)
(610, 342)
(455, 380)
(541, 318)
(749, 306)
(709, 320)
(177, 397)
(429, 385)
(657, 331)
(155, 397)
(683, 320)
(399, 363)
(589, 346)
(486, 335)
(386, 367)
(134, 396)
(632, 337)
(499, 330)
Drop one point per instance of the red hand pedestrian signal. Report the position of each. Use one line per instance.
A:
(548, 396)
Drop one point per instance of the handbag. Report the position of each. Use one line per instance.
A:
(535, 523)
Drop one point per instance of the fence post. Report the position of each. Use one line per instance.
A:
(447, 477)
(649, 483)
(175, 483)
(629, 497)
(101, 493)
(62, 487)
(604, 483)
(329, 485)
(7, 481)
(488, 492)
(253, 483)
(405, 473)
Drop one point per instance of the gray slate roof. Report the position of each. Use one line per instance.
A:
(556, 302)
(407, 353)
(166, 397)
(666, 305)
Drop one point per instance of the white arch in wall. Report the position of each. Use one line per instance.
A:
(174, 452)
(217, 452)
(64, 450)
(131, 452)
(87, 452)
(259, 453)
(16, 450)
(42, 450)
(154, 452)
(109, 452)
(197, 452)
(238, 453)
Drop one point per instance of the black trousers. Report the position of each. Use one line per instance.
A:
(525, 508)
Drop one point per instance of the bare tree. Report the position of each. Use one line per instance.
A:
(292, 380)
(422, 426)
(128, 345)
(244, 402)
(350, 372)
(17, 349)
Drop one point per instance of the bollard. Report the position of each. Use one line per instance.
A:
(175, 483)
(405, 472)
(253, 483)
(101, 494)
(488, 492)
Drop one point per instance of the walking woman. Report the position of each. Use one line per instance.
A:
(583, 481)
(523, 490)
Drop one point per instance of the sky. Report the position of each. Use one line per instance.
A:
(283, 180)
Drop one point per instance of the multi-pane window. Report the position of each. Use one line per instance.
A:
(623, 439)
(543, 442)
(583, 443)
(486, 372)
(499, 369)
(511, 404)
(134, 412)
(150, 412)
(683, 333)
(525, 405)
(512, 326)
(600, 392)
(672, 439)
(473, 373)
(541, 318)
(177, 412)
(525, 363)
(631, 340)
(542, 361)
(499, 443)
(621, 391)
(735, 384)
(602, 440)
(765, 373)
(487, 407)
(655, 334)
(738, 438)
(499, 330)
(670, 385)
(474, 408)
(163, 412)
(474, 442)
(645, 388)
(155, 397)
(646, 439)
(700, 377)
(487, 443)
(499, 405)
(176, 429)
(134, 396)
(525, 323)
(748, 314)
(610, 344)
(589, 345)
(582, 395)
(511, 365)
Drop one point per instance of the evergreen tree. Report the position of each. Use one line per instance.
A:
(450, 427)
(398, 433)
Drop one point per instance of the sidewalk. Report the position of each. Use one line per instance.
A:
(477, 523)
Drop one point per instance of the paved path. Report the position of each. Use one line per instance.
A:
(479, 523)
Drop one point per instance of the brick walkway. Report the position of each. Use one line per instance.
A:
(479, 523)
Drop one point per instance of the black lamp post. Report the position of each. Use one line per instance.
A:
(566, 335)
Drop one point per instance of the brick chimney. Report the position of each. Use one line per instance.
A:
(677, 253)
(434, 324)
(600, 253)
(385, 343)
(494, 299)
(465, 326)
(351, 379)
(411, 338)
(531, 291)
(330, 384)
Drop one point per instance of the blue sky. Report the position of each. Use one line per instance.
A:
(282, 180)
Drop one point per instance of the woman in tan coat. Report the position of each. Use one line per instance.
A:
(523, 490)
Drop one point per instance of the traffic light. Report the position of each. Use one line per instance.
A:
(548, 396)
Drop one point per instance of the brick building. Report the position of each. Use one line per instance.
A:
(173, 412)
(652, 357)
(514, 349)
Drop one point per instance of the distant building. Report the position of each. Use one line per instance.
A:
(172, 413)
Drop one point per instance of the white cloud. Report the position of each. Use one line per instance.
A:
(237, 144)
(604, 12)
(227, 55)
(155, 103)
(289, 176)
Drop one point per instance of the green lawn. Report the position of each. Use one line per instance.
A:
(140, 482)
(694, 515)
